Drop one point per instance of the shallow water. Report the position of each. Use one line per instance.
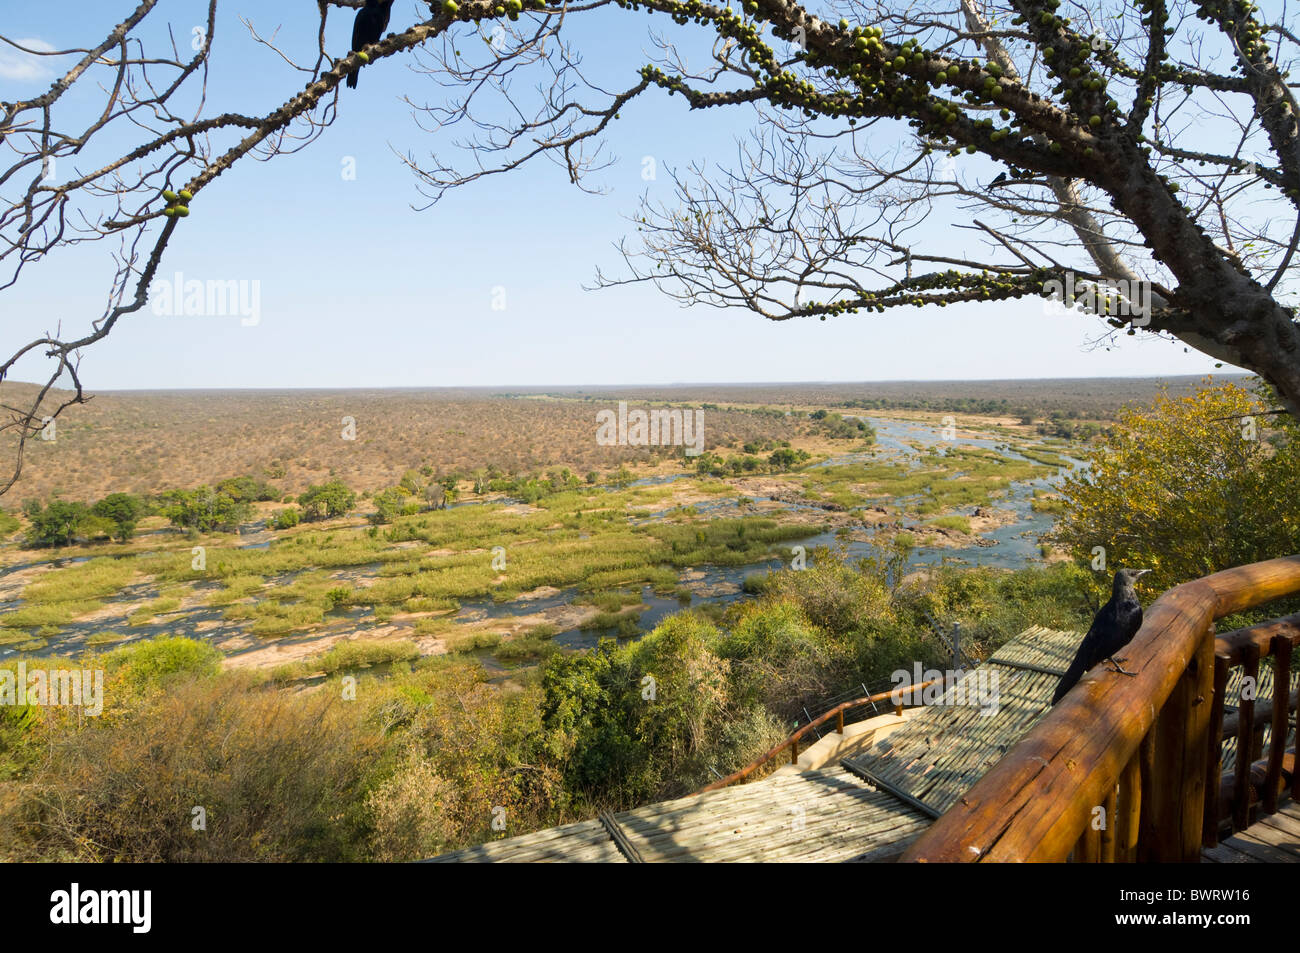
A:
(1015, 546)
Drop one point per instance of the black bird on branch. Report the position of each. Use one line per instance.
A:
(1112, 628)
(369, 27)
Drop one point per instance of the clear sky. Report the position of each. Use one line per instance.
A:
(357, 289)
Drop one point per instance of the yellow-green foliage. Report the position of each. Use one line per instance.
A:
(350, 654)
(62, 595)
(959, 476)
(414, 766)
(418, 762)
(1179, 489)
(960, 523)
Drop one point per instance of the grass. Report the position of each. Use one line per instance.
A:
(959, 523)
(524, 648)
(1045, 502)
(346, 656)
(586, 540)
(462, 642)
(609, 620)
(105, 638)
(160, 606)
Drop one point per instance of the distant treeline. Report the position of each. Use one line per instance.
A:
(985, 406)
(1091, 398)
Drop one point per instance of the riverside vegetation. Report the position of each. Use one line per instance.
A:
(433, 743)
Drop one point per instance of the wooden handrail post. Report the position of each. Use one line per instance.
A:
(1214, 755)
(1148, 779)
(1245, 737)
(1130, 809)
(1034, 803)
(1108, 832)
(1281, 704)
(1174, 803)
(1181, 739)
(1088, 849)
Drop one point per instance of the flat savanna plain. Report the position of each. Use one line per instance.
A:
(147, 442)
(151, 441)
(589, 556)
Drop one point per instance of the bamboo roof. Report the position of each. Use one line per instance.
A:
(945, 748)
(1263, 702)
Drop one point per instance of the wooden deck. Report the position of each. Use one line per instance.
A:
(814, 815)
(867, 813)
(1272, 839)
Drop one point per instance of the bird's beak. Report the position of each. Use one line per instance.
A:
(1143, 572)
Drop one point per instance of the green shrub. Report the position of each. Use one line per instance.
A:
(152, 663)
(326, 501)
(285, 519)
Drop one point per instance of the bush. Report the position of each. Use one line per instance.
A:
(786, 459)
(411, 812)
(1186, 488)
(204, 510)
(648, 719)
(57, 523)
(152, 663)
(247, 489)
(395, 502)
(278, 776)
(327, 501)
(124, 510)
(285, 519)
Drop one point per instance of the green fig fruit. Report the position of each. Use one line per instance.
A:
(450, 7)
(363, 56)
(170, 196)
(170, 212)
(186, 194)
(182, 211)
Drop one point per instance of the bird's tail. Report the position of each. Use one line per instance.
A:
(352, 80)
(1068, 680)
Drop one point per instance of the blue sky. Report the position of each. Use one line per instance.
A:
(359, 290)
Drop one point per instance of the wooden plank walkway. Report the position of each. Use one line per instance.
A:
(1272, 839)
(816, 815)
(584, 842)
(826, 815)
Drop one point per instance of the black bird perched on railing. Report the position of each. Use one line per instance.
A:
(1112, 628)
(368, 27)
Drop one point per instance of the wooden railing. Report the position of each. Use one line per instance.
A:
(792, 743)
(1127, 769)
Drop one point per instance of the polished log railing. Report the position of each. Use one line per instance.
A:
(1128, 768)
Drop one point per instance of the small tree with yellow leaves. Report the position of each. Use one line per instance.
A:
(1187, 487)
